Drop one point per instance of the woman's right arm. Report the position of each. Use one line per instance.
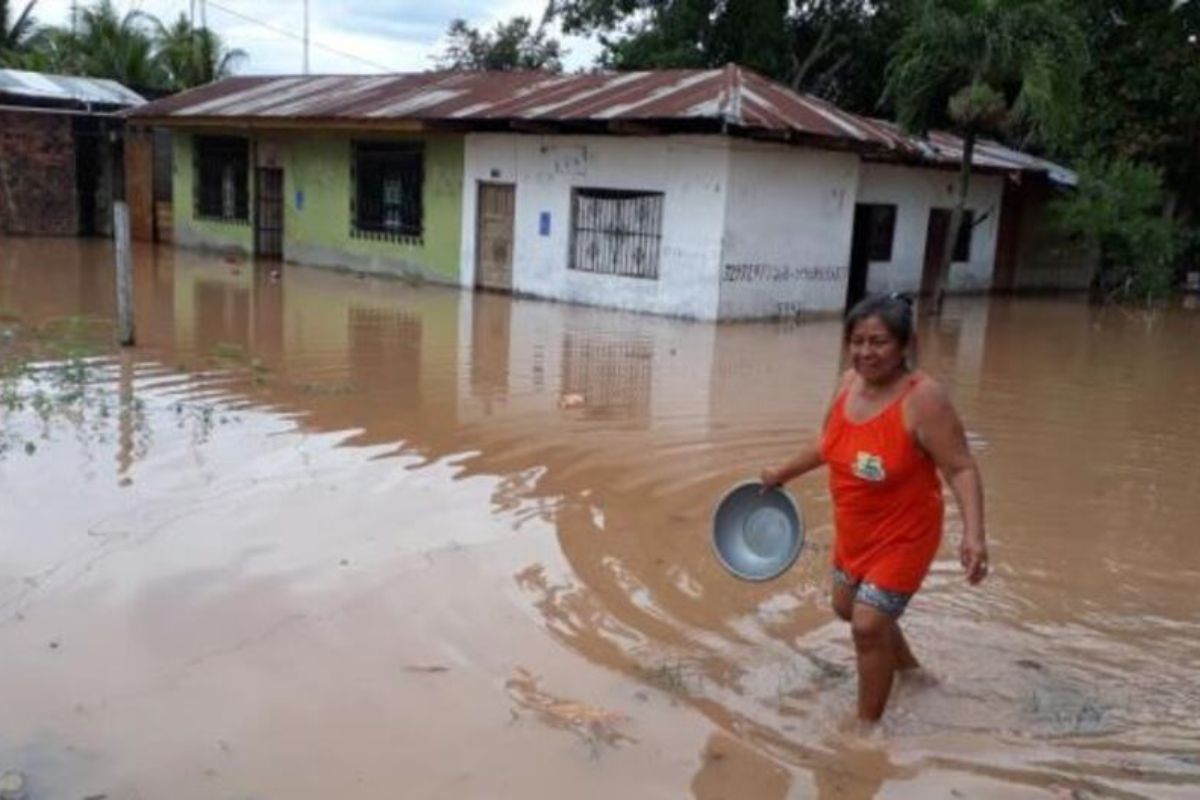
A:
(808, 459)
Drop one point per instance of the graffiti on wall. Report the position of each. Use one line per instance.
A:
(780, 273)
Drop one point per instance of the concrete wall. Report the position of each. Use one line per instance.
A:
(317, 219)
(690, 171)
(788, 222)
(914, 191)
(37, 174)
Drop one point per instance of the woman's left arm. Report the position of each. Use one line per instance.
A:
(940, 432)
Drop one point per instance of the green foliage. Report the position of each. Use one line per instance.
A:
(511, 45)
(118, 46)
(1144, 92)
(190, 56)
(1118, 208)
(15, 31)
(1032, 54)
(135, 49)
(793, 43)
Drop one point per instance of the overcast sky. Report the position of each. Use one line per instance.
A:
(345, 35)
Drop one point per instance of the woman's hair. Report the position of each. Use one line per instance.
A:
(894, 310)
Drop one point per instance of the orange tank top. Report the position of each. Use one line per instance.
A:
(887, 498)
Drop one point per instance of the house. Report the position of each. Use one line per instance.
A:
(61, 161)
(711, 194)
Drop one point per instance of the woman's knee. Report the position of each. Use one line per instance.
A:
(871, 628)
(842, 598)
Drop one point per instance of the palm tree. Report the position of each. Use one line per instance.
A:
(15, 33)
(191, 56)
(54, 50)
(118, 47)
(986, 67)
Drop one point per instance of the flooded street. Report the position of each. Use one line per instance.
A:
(329, 536)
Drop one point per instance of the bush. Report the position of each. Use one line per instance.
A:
(1118, 206)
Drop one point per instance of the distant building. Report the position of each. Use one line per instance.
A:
(61, 159)
(713, 194)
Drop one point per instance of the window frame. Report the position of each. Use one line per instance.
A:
(388, 165)
(620, 242)
(209, 191)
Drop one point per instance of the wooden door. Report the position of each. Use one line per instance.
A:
(935, 245)
(268, 219)
(1008, 239)
(494, 239)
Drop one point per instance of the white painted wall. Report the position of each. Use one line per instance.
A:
(914, 191)
(789, 220)
(689, 170)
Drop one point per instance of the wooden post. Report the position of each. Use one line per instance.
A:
(122, 249)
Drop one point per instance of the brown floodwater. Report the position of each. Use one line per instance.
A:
(325, 535)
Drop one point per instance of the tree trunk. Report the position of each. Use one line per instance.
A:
(952, 229)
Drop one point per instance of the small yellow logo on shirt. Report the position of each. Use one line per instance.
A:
(869, 467)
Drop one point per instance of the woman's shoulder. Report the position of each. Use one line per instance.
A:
(928, 395)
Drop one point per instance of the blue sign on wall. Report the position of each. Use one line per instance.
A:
(299, 199)
(544, 223)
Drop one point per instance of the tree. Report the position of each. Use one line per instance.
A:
(15, 33)
(664, 34)
(118, 47)
(190, 56)
(839, 48)
(982, 67)
(832, 48)
(1144, 93)
(515, 44)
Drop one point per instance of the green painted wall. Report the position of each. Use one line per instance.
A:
(318, 165)
(190, 230)
(317, 231)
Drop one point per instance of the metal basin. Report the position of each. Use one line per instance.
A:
(757, 535)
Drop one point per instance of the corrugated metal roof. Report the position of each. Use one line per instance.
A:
(730, 98)
(67, 89)
(946, 149)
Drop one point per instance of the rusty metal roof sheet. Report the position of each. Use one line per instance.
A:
(732, 98)
(66, 89)
(945, 149)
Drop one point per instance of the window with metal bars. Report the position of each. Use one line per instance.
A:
(616, 232)
(222, 178)
(388, 179)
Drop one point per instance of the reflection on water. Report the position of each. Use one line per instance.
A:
(325, 513)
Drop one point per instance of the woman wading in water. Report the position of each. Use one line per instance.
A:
(888, 433)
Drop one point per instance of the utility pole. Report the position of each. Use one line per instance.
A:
(124, 270)
(305, 37)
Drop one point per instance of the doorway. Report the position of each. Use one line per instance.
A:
(268, 217)
(935, 246)
(871, 241)
(856, 286)
(494, 236)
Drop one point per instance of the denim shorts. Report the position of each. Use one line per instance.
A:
(867, 593)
